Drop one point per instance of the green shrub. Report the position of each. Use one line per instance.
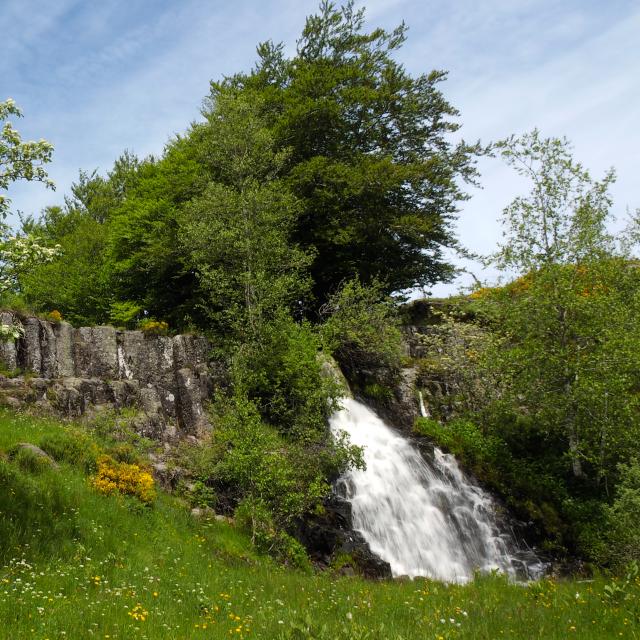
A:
(282, 376)
(124, 452)
(361, 328)
(254, 515)
(623, 536)
(200, 495)
(125, 313)
(256, 461)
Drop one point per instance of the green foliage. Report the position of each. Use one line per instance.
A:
(73, 447)
(281, 373)
(254, 516)
(623, 536)
(541, 377)
(361, 328)
(77, 282)
(256, 461)
(570, 341)
(125, 313)
(271, 456)
(144, 258)
(370, 158)
(19, 160)
(308, 172)
(237, 235)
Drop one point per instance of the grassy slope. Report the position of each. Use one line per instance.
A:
(108, 569)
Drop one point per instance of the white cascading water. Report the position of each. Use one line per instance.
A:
(423, 518)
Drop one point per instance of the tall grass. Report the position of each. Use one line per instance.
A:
(75, 564)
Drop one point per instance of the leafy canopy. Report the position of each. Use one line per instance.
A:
(569, 354)
(370, 155)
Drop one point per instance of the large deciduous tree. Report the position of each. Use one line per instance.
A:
(371, 156)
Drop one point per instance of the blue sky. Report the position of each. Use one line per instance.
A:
(95, 78)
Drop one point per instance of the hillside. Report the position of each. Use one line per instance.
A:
(78, 564)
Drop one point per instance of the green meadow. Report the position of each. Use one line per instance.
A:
(77, 564)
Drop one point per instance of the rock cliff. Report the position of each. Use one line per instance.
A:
(79, 370)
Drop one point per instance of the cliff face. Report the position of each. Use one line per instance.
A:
(75, 371)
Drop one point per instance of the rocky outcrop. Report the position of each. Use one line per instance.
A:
(76, 371)
(331, 536)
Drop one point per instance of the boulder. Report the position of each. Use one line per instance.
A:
(36, 451)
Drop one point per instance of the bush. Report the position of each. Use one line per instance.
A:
(153, 327)
(623, 536)
(361, 328)
(127, 479)
(253, 515)
(282, 376)
(256, 461)
(125, 313)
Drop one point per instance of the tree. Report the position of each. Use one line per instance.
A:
(78, 282)
(19, 160)
(144, 260)
(237, 235)
(371, 158)
(570, 354)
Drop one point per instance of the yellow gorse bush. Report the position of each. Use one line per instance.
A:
(54, 316)
(154, 327)
(120, 477)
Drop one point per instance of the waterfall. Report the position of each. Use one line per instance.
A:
(424, 517)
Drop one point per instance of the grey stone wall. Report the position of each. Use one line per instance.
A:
(75, 371)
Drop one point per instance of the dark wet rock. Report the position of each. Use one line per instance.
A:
(398, 405)
(331, 536)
